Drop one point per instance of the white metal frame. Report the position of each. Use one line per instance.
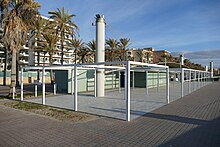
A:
(126, 66)
(201, 78)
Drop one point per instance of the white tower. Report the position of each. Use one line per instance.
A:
(100, 54)
(206, 68)
(181, 59)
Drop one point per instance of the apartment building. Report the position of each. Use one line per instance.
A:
(29, 56)
(147, 55)
(140, 55)
(159, 55)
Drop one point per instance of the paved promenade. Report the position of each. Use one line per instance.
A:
(193, 120)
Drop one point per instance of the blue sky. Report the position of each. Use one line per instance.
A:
(179, 26)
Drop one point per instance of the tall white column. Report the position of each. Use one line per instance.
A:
(100, 54)
(181, 60)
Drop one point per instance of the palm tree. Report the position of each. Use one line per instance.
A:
(92, 47)
(84, 53)
(50, 46)
(139, 55)
(4, 4)
(5, 48)
(124, 43)
(36, 36)
(76, 44)
(112, 46)
(16, 24)
(64, 25)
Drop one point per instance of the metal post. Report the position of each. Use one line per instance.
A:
(127, 91)
(193, 80)
(182, 81)
(199, 79)
(146, 82)
(189, 84)
(194, 85)
(43, 86)
(54, 89)
(72, 83)
(158, 80)
(22, 85)
(112, 80)
(13, 93)
(167, 86)
(35, 90)
(211, 70)
(95, 83)
(202, 79)
(119, 81)
(133, 80)
(75, 88)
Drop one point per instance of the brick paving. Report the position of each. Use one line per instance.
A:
(193, 120)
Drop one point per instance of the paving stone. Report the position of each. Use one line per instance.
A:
(189, 121)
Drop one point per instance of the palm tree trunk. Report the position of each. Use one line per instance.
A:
(5, 67)
(75, 56)
(13, 71)
(62, 47)
(83, 58)
(51, 71)
(111, 55)
(17, 69)
(124, 55)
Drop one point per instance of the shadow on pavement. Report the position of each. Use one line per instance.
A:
(202, 136)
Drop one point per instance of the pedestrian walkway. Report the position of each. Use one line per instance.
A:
(189, 121)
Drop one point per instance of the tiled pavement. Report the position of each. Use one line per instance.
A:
(190, 121)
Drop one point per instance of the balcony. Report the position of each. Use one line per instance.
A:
(23, 54)
(23, 61)
(56, 56)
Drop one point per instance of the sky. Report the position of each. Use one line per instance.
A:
(191, 27)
